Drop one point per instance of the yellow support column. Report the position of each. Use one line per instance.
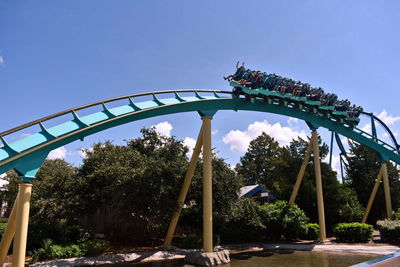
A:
(207, 186)
(301, 173)
(21, 231)
(184, 190)
(372, 197)
(386, 188)
(9, 233)
(318, 177)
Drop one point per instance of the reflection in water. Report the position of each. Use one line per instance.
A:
(275, 259)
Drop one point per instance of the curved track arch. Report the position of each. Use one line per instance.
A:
(27, 154)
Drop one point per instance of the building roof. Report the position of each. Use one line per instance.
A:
(250, 190)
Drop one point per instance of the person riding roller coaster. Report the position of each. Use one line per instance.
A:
(316, 94)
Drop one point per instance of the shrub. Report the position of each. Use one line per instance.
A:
(396, 214)
(3, 227)
(73, 251)
(284, 221)
(273, 221)
(353, 232)
(389, 230)
(190, 241)
(245, 224)
(46, 251)
(59, 234)
(96, 247)
(50, 251)
(312, 232)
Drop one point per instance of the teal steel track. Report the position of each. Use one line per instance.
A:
(28, 153)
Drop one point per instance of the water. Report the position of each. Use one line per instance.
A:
(275, 259)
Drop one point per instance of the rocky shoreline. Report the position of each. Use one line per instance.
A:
(173, 254)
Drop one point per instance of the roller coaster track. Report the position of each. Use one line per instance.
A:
(26, 154)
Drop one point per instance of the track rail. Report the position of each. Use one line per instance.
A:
(27, 154)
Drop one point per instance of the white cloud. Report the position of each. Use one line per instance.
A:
(58, 153)
(82, 152)
(239, 140)
(2, 181)
(344, 141)
(292, 121)
(213, 132)
(1, 60)
(367, 128)
(335, 163)
(387, 118)
(163, 128)
(190, 143)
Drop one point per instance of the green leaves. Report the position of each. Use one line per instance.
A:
(353, 232)
(362, 171)
(252, 221)
(277, 168)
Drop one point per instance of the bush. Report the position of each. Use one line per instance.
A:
(396, 214)
(50, 251)
(245, 224)
(272, 221)
(73, 251)
(312, 232)
(353, 232)
(59, 234)
(3, 227)
(389, 230)
(96, 247)
(284, 221)
(190, 242)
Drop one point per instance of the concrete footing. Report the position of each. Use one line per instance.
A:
(208, 259)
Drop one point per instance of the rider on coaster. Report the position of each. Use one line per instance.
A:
(238, 74)
(315, 94)
(342, 105)
(257, 79)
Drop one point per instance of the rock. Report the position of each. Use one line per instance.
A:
(208, 259)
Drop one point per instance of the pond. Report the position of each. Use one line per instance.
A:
(275, 259)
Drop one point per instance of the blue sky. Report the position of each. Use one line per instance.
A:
(55, 55)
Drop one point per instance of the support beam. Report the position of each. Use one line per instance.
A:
(372, 197)
(318, 177)
(301, 173)
(21, 231)
(9, 233)
(207, 186)
(185, 187)
(386, 188)
(331, 149)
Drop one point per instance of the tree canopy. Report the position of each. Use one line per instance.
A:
(276, 168)
(362, 171)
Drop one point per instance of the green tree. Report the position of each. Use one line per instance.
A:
(9, 191)
(349, 208)
(362, 170)
(340, 202)
(284, 221)
(138, 183)
(259, 163)
(282, 170)
(226, 186)
(54, 198)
